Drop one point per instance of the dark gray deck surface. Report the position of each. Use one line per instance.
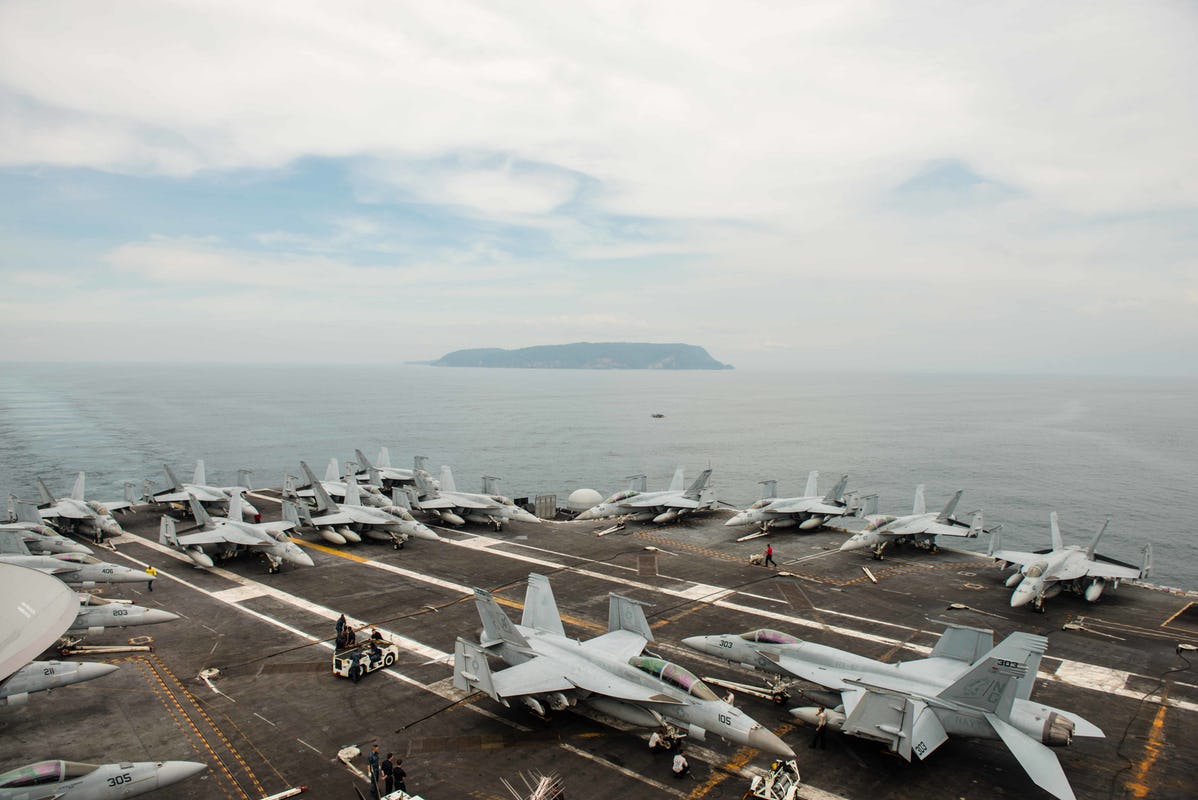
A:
(280, 716)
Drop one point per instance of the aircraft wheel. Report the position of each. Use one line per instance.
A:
(388, 659)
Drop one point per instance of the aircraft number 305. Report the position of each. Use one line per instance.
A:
(119, 780)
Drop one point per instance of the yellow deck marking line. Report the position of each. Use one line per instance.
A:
(173, 707)
(1178, 614)
(208, 719)
(1152, 751)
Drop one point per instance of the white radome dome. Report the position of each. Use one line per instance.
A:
(582, 499)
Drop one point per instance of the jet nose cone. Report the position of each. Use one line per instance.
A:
(767, 742)
(89, 671)
(425, 532)
(1020, 599)
(152, 616)
(852, 544)
(301, 558)
(697, 643)
(174, 771)
(737, 519)
(586, 514)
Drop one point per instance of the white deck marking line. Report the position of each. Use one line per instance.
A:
(661, 787)
(310, 747)
(453, 695)
(264, 719)
(238, 594)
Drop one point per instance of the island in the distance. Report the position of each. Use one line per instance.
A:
(586, 355)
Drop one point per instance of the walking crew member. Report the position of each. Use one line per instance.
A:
(769, 556)
(821, 728)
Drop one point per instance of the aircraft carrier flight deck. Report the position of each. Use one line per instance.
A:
(244, 681)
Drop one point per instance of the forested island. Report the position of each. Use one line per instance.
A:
(586, 355)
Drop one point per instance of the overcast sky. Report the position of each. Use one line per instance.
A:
(863, 185)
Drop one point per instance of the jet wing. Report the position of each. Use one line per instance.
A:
(455, 501)
(333, 518)
(1017, 556)
(116, 505)
(619, 645)
(945, 529)
(544, 674)
(222, 535)
(1110, 568)
(69, 511)
(812, 673)
(661, 502)
(1040, 763)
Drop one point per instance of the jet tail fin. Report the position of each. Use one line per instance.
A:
(920, 506)
(625, 614)
(490, 484)
(353, 495)
(201, 476)
(323, 501)
(696, 488)
(769, 489)
(400, 499)
(812, 483)
(166, 532)
(332, 472)
(424, 484)
(471, 670)
(447, 483)
(235, 511)
(496, 625)
(950, 507)
(296, 514)
(640, 483)
(837, 491)
(678, 481)
(170, 474)
(540, 607)
(976, 524)
(1097, 536)
(21, 511)
(47, 497)
(243, 479)
(1054, 532)
(197, 510)
(77, 490)
(1146, 569)
(364, 461)
(998, 677)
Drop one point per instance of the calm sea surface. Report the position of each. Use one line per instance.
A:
(1019, 446)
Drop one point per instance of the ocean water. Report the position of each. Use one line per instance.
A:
(1019, 446)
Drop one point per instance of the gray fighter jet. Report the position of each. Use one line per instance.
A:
(609, 673)
(228, 535)
(94, 614)
(38, 537)
(807, 512)
(1046, 573)
(661, 507)
(349, 521)
(76, 569)
(919, 528)
(389, 475)
(71, 780)
(77, 514)
(41, 676)
(968, 687)
(214, 497)
(334, 483)
(457, 508)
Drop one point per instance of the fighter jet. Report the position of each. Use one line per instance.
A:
(608, 673)
(71, 780)
(94, 614)
(38, 537)
(1045, 573)
(214, 497)
(334, 484)
(968, 687)
(919, 528)
(76, 569)
(661, 507)
(807, 512)
(227, 535)
(457, 508)
(41, 676)
(75, 513)
(389, 475)
(349, 521)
